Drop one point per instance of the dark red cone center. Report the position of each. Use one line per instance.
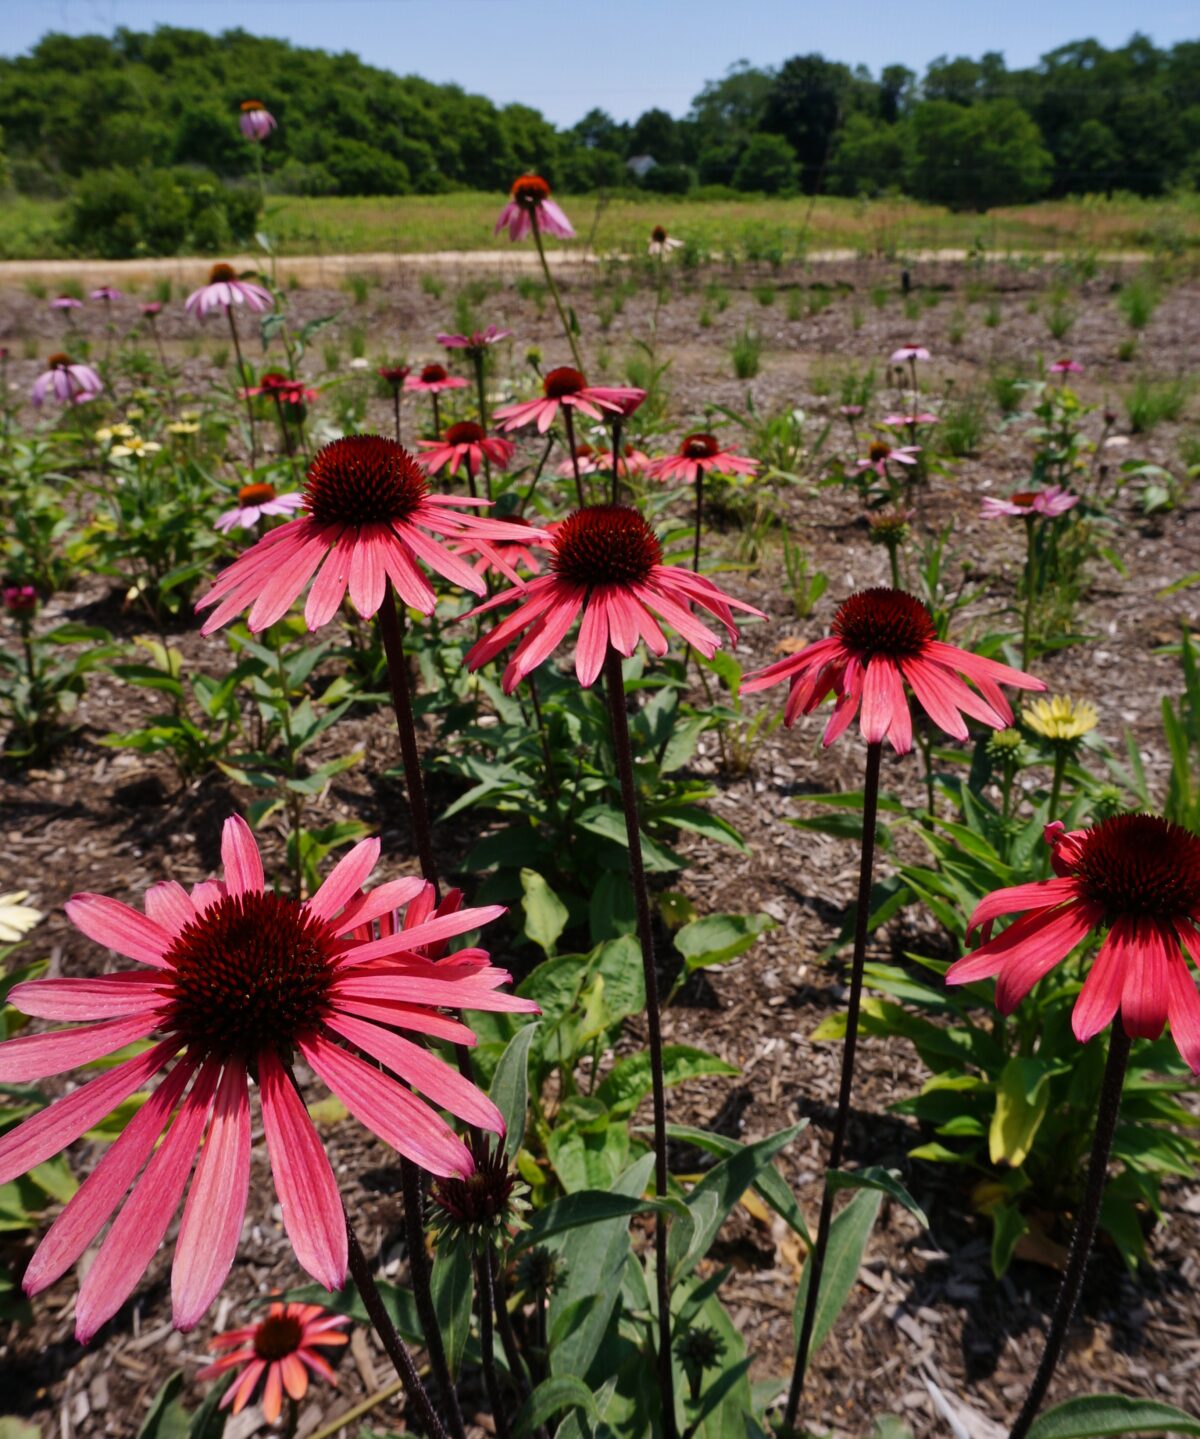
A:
(363, 480)
(884, 622)
(605, 545)
(1140, 865)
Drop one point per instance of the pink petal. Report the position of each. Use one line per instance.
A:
(442, 926)
(89, 1208)
(412, 1017)
(1043, 894)
(34, 1056)
(119, 928)
(294, 1376)
(384, 898)
(1100, 997)
(1183, 1009)
(308, 1193)
(329, 588)
(239, 1394)
(592, 645)
(368, 577)
(216, 1203)
(240, 858)
(883, 693)
(1146, 962)
(104, 997)
(139, 1227)
(345, 880)
(387, 1109)
(168, 904)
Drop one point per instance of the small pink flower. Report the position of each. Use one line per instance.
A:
(395, 375)
(585, 461)
(283, 1347)
(910, 421)
(661, 244)
(565, 386)
(432, 380)
(1066, 367)
(256, 502)
(530, 200)
(851, 412)
(19, 599)
(108, 293)
(466, 441)
(281, 387)
(257, 122)
(66, 302)
(152, 308)
(697, 454)
(515, 554)
(476, 342)
(224, 290)
(907, 353)
(1050, 502)
(881, 454)
(632, 462)
(70, 384)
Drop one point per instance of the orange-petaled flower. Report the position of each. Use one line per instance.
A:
(280, 1349)
(1139, 877)
(882, 640)
(606, 567)
(370, 519)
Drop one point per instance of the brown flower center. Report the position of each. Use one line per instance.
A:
(563, 381)
(658, 235)
(363, 480)
(879, 450)
(433, 375)
(58, 361)
(1023, 497)
(277, 1337)
(248, 105)
(884, 622)
(465, 433)
(699, 447)
(259, 494)
(250, 973)
(1141, 866)
(605, 545)
(221, 274)
(530, 191)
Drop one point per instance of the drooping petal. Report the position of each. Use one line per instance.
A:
(308, 1193)
(1146, 960)
(119, 928)
(1100, 997)
(592, 645)
(216, 1203)
(883, 692)
(1183, 1010)
(1027, 949)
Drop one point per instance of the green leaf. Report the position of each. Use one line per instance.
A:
(586, 1206)
(718, 937)
(545, 914)
(13, 1428)
(1022, 1098)
(510, 1086)
(1008, 1225)
(848, 1235)
(1093, 1414)
(629, 1080)
(167, 1419)
(770, 1185)
(874, 1177)
(562, 1391)
(889, 1426)
(452, 1282)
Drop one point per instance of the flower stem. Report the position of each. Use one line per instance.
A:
(537, 475)
(616, 458)
(816, 1260)
(1027, 626)
(396, 409)
(569, 421)
(512, 1352)
(418, 1266)
(393, 647)
(1085, 1224)
(477, 358)
(245, 377)
(437, 423)
(614, 685)
(397, 1350)
(558, 304)
(699, 517)
(487, 1342)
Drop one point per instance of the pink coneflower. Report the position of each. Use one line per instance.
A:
(851, 412)
(606, 567)
(224, 290)
(529, 200)
(477, 342)
(369, 520)
(881, 454)
(66, 302)
(1066, 367)
(433, 380)
(256, 502)
(910, 422)
(632, 461)
(700, 454)
(107, 293)
(282, 388)
(256, 121)
(1027, 504)
(661, 244)
(907, 354)
(69, 383)
(395, 375)
(283, 1348)
(152, 308)
(1135, 874)
(583, 460)
(240, 979)
(19, 599)
(883, 639)
(566, 387)
(466, 441)
(516, 554)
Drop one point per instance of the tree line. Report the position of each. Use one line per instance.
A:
(968, 133)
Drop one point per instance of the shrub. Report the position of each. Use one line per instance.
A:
(120, 213)
(746, 354)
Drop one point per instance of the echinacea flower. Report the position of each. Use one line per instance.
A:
(477, 342)
(881, 454)
(632, 461)
(910, 421)
(369, 520)
(1060, 719)
(281, 388)
(1065, 367)
(515, 554)
(1136, 875)
(882, 640)
(1050, 503)
(432, 380)
(255, 502)
(466, 441)
(661, 243)
(69, 383)
(530, 203)
(19, 599)
(395, 375)
(851, 412)
(700, 454)
(235, 980)
(906, 354)
(225, 290)
(16, 917)
(565, 386)
(282, 1347)
(107, 293)
(485, 1209)
(66, 302)
(152, 308)
(607, 570)
(256, 121)
(133, 447)
(583, 460)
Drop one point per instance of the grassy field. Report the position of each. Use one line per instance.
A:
(752, 228)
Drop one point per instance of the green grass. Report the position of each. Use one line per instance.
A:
(758, 229)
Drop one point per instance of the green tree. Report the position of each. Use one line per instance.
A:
(868, 157)
(975, 156)
(768, 164)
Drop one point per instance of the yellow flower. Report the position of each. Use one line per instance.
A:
(135, 412)
(16, 918)
(134, 447)
(1060, 718)
(189, 414)
(182, 427)
(105, 434)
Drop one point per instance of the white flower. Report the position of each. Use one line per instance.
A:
(16, 918)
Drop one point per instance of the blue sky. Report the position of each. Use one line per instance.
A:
(565, 56)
